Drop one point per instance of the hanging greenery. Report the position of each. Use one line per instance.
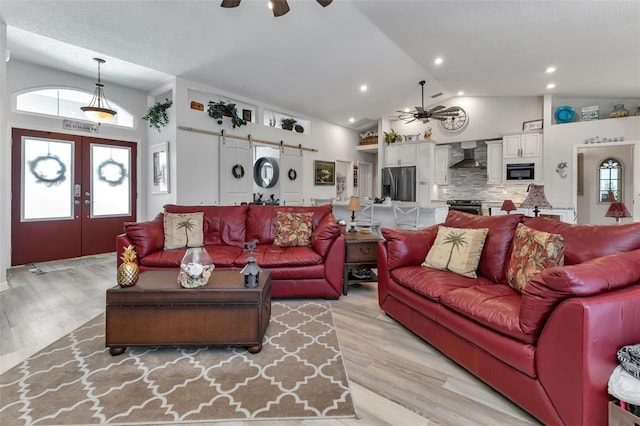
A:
(219, 109)
(157, 114)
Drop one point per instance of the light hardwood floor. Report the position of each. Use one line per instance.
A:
(396, 378)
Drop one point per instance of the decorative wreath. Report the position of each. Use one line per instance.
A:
(39, 170)
(238, 171)
(112, 163)
(292, 174)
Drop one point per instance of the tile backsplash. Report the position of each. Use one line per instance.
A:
(471, 184)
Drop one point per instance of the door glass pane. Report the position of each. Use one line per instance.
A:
(47, 179)
(110, 181)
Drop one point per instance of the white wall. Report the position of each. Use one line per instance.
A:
(21, 76)
(5, 164)
(196, 166)
(589, 209)
(559, 141)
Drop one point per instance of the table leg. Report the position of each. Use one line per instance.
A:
(345, 280)
(116, 350)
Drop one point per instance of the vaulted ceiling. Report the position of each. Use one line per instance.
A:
(313, 60)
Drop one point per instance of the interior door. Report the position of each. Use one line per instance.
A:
(70, 194)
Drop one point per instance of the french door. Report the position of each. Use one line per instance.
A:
(70, 194)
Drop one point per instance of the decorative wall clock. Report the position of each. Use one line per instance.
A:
(455, 124)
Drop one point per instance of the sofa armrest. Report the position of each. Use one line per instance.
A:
(334, 263)
(407, 248)
(576, 351)
(123, 241)
(325, 234)
(546, 290)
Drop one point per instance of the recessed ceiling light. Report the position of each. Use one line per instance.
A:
(460, 93)
(550, 70)
(270, 5)
(363, 88)
(551, 86)
(438, 61)
(351, 120)
(407, 109)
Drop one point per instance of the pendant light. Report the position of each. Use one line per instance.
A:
(99, 110)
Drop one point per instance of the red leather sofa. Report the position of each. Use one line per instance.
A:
(550, 349)
(314, 271)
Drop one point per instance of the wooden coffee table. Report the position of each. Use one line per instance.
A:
(157, 311)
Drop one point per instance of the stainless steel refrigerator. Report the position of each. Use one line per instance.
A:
(399, 183)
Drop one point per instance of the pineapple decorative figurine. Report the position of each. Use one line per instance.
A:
(128, 271)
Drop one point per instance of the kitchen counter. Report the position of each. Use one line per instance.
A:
(383, 214)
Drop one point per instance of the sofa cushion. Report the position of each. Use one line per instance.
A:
(293, 229)
(220, 256)
(269, 256)
(497, 246)
(457, 250)
(147, 237)
(533, 251)
(261, 220)
(585, 242)
(223, 225)
(550, 287)
(183, 230)
(408, 248)
(494, 306)
(433, 283)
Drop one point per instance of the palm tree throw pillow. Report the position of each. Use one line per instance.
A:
(183, 230)
(457, 250)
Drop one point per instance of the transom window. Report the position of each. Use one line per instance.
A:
(66, 103)
(610, 180)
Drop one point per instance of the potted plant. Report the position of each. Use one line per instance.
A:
(157, 114)
(392, 137)
(219, 109)
(287, 123)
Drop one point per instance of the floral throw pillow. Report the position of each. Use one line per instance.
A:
(457, 250)
(533, 251)
(293, 229)
(183, 230)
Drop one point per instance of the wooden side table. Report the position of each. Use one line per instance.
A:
(361, 252)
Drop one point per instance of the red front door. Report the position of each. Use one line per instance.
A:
(70, 194)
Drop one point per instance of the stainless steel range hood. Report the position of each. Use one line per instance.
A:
(469, 161)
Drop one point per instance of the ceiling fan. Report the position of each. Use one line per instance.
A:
(439, 112)
(280, 7)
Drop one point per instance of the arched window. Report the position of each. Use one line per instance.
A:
(66, 103)
(610, 180)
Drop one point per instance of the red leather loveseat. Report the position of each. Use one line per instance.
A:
(313, 271)
(551, 348)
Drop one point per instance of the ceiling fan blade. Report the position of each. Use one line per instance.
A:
(324, 3)
(280, 7)
(437, 108)
(420, 109)
(435, 117)
(452, 109)
(230, 3)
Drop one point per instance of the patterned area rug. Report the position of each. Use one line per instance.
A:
(40, 268)
(299, 374)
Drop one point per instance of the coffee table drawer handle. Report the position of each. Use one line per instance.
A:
(365, 250)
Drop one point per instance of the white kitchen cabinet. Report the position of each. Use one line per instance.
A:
(400, 154)
(494, 162)
(441, 164)
(424, 162)
(523, 145)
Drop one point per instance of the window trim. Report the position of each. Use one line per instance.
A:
(620, 190)
(115, 105)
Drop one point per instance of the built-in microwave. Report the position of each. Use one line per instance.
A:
(521, 171)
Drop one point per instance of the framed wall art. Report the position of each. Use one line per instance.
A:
(532, 125)
(160, 168)
(324, 172)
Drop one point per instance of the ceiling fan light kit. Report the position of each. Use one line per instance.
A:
(439, 112)
(279, 7)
